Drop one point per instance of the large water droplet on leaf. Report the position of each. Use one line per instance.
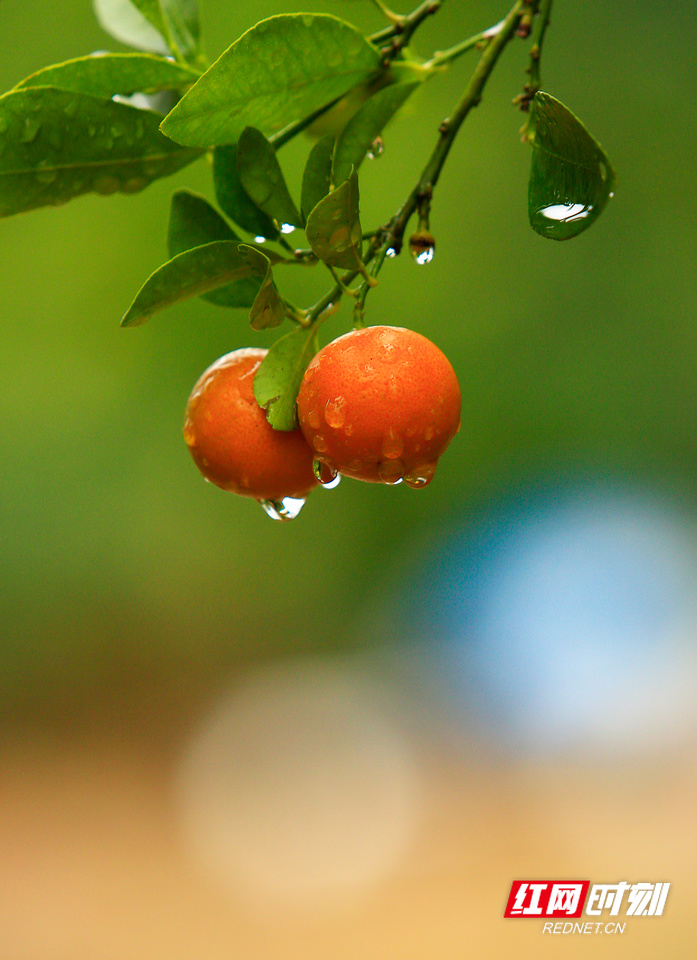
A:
(571, 178)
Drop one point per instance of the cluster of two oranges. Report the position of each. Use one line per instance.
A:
(379, 404)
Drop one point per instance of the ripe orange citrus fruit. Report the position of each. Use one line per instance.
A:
(232, 442)
(380, 404)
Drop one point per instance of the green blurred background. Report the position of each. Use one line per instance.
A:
(132, 591)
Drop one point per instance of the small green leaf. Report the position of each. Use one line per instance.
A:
(278, 379)
(189, 274)
(58, 144)
(125, 23)
(333, 228)
(233, 198)
(281, 70)
(194, 222)
(317, 175)
(571, 179)
(177, 21)
(262, 178)
(365, 125)
(107, 74)
(268, 309)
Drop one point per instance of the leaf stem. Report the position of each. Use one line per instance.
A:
(404, 27)
(442, 57)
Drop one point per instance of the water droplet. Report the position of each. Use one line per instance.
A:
(286, 509)
(391, 471)
(134, 185)
(340, 240)
(44, 173)
(189, 435)
(420, 476)
(392, 446)
(391, 252)
(30, 129)
(560, 221)
(422, 246)
(320, 444)
(376, 149)
(287, 228)
(335, 412)
(314, 418)
(327, 475)
(307, 19)
(4, 124)
(260, 239)
(565, 212)
(105, 185)
(428, 433)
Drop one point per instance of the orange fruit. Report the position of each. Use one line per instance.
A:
(380, 404)
(233, 444)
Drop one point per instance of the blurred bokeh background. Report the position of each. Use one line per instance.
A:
(345, 736)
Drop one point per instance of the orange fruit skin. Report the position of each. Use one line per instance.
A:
(380, 404)
(233, 444)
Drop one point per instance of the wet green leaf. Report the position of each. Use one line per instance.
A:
(110, 73)
(194, 222)
(177, 21)
(190, 274)
(333, 228)
(233, 198)
(126, 24)
(268, 309)
(317, 175)
(571, 179)
(280, 71)
(366, 124)
(278, 379)
(58, 144)
(262, 178)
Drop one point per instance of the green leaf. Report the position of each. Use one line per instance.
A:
(268, 309)
(571, 179)
(233, 198)
(317, 175)
(280, 71)
(177, 21)
(194, 222)
(59, 144)
(127, 25)
(262, 178)
(278, 379)
(189, 274)
(333, 228)
(107, 74)
(359, 133)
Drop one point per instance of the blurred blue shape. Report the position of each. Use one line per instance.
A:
(568, 620)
